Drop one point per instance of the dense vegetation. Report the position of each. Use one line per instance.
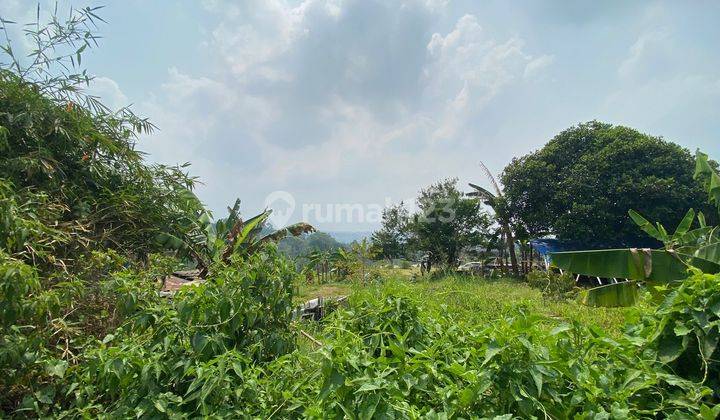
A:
(447, 222)
(581, 184)
(89, 231)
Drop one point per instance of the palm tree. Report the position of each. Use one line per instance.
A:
(498, 203)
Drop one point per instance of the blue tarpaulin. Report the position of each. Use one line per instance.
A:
(545, 246)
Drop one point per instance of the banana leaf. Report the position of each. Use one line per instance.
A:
(296, 229)
(613, 295)
(710, 253)
(169, 241)
(694, 236)
(684, 225)
(652, 266)
(705, 172)
(632, 264)
(648, 227)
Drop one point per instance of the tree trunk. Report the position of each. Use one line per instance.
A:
(510, 241)
(501, 257)
(451, 256)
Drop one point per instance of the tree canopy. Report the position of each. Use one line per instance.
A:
(447, 222)
(580, 185)
(299, 246)
(390, 241)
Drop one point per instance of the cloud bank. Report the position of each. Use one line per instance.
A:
(334, 102)
(363, 101)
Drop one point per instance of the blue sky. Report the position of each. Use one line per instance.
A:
(362, 101)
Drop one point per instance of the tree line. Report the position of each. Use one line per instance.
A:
(576, 188)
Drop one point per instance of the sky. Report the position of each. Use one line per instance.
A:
(328, 110)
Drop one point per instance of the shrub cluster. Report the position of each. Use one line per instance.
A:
(119, 349)
(225, 348)
(553, 285)
(411, 366)
(77, 183)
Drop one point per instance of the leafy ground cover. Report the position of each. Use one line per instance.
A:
(476, 301)
(467, 347)
(473, 300)
(452, 347)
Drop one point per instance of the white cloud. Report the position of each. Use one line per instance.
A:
(648, 46)
(470, 65)
(536, 65)
(109, 93)
(344, 95)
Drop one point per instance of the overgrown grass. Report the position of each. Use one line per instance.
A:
(305, 292)
(472, 301)
(468, 347)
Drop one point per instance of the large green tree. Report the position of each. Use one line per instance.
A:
(447, 222)
(580, 185)
(390, 241)
(299, 246)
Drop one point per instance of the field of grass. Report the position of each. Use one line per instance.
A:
(305, 292)
(471, 347)
(476, 301)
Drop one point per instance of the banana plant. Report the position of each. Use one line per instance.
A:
(217, 241)
(498, 203)
(319, 263)
(362, 254)
(684, 248)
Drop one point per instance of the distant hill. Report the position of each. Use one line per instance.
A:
(297, 246)
(347, 237)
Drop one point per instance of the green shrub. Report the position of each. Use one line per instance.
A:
(685, 331)
(191, 353)
(387, 360)
(225, 348)
(75, 174)
(553, 285)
